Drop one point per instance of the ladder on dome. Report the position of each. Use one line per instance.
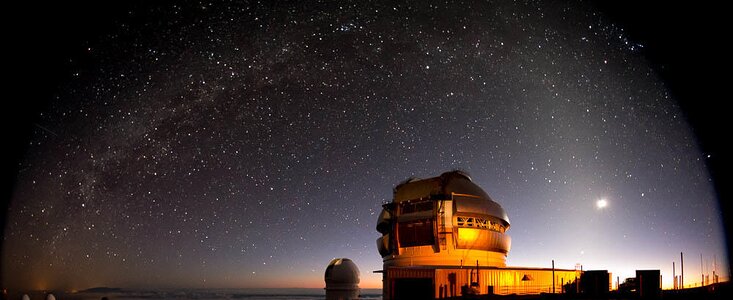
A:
(442, 240)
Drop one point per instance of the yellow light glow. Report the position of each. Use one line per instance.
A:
(468, 234)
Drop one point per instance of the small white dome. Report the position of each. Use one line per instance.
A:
(342, 273)
(25, 297)
(50, 297)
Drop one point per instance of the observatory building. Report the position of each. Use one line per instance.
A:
(342, 280)
(445, 237)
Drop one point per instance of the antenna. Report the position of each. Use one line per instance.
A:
(674, 277)
(682, 269)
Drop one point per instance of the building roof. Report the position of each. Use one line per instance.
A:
(470, 199)
(341, 271)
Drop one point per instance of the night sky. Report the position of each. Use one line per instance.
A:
(245, 144)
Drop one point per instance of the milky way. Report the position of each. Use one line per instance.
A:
(245, 145)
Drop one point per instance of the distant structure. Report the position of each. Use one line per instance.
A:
(649, 284)
(445, 237)
(595, 283)
(342, 280)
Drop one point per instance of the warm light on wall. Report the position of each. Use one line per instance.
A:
(468, 234)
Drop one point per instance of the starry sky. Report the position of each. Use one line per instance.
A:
(246, 144)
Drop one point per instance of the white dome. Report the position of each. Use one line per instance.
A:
(342, 273)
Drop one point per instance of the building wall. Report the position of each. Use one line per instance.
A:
(450, 256)
(393, 275)
(504, 281)
(451, 282)
(649, 284)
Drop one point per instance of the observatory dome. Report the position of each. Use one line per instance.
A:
(447, 220)
(468, 196)
(342, 273)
